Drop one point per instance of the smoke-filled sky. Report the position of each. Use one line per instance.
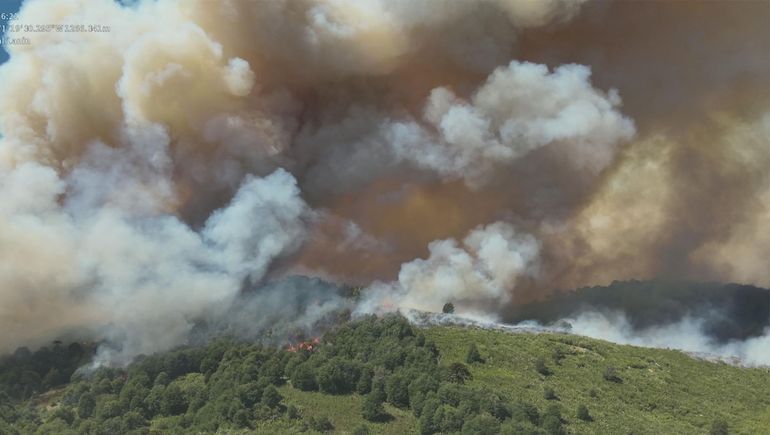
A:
(482, 151)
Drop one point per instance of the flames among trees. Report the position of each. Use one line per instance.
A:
(308, 345)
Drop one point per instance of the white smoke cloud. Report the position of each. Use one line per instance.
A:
(476, 275)
(520, 108)
(686, 335)
(141, 279)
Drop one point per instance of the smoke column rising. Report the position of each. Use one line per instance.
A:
(157, 176)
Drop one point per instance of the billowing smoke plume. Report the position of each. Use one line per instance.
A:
(477, 275)
(141, 277)
(520, 108)
(165, 175)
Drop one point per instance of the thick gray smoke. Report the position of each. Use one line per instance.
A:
(162, 177)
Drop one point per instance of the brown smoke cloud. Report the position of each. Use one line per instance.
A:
(486, 151)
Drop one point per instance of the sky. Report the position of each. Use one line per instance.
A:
(7, 6)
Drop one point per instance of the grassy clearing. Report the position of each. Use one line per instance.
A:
(661, 391)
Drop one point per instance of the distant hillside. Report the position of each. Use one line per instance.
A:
(731, 311)
(385, 376)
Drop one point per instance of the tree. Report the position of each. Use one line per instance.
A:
(361, 430)
(364, 385)
(173, 401)
(448, 308)
(133, 392)
(525, 412)
(270, 397)
(718, 427)
(250, 393)
(582, 413)
(549, 394)
(448, 419)
(495, 405)
(107, 409)
(458, 373)
(272, 369)
(481, 425)
(86, 405)
(304, 378)
(154, 400)
(473, 355)
(378, 387)
(162, 379)
(427, 421)
(372, 409)
(541, 367)
(241, 418)
(338, 376)
(134, 420)
(397, 390)
(552, 421)
(63, 412)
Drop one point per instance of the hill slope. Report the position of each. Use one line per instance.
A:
(661, 391)
(625, 389)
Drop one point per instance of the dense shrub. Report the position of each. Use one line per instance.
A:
(549, 394)
(610, 374)
(473, 355)
(304, 378)
(481, 425)
(270, 397)
(582, 413)
(397, 390)
(458, 373)
(338, 376)
(372, 409)
(552, 421)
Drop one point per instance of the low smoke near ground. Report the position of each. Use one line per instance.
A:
(167, 173)
(687, 335)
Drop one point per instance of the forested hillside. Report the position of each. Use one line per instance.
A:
(385, 376)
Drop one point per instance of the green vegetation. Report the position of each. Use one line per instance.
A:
(583, 414)
(662, 391)
(384, 376)
(473, 355)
